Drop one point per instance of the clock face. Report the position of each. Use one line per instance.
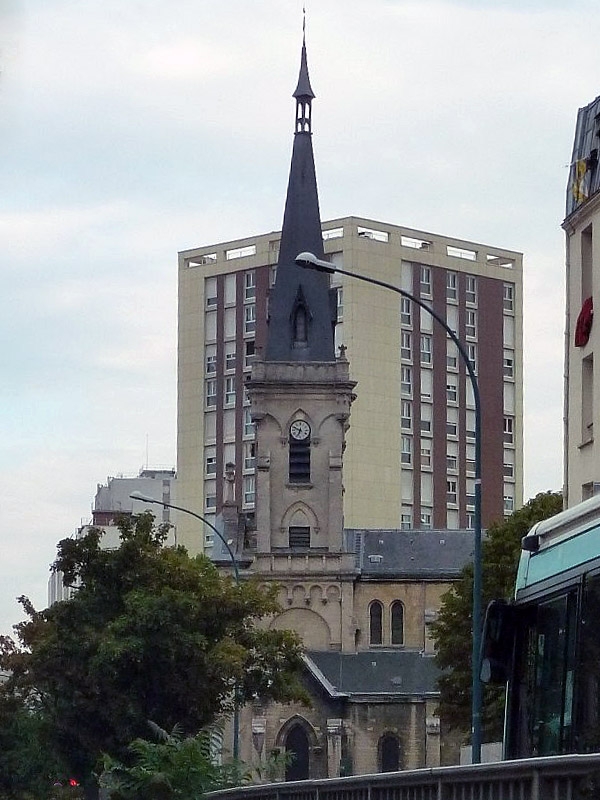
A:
(300, 429)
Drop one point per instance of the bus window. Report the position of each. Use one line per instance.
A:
(542, 703)
(588, 713)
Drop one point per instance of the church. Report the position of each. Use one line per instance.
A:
(361, 599)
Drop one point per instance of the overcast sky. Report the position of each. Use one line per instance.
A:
(131, 130)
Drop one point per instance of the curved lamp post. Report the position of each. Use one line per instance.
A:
(145, 499)
(310, 261)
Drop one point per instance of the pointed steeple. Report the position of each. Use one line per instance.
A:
(301, 312)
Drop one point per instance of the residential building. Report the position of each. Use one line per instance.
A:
(111, 501)
(582, 337)
(409, 459)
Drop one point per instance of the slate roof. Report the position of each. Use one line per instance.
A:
(583, 185)
(301, 232)
(406, 673)
(416, 554)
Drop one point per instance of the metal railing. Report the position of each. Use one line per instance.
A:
(573, 777)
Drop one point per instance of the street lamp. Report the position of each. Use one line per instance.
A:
(145, 499)
(310, 261)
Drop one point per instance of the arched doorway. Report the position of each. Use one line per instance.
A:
(389, 753)
(297, 746)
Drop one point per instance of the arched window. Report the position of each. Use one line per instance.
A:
(397, 619)
(297, 746)
(376, 623)
(389, 753)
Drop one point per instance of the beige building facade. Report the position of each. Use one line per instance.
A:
(409, 459)
(582, 337)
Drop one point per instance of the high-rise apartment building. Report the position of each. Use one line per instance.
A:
(409, 459)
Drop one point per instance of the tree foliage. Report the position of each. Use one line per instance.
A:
(453, 628)
(150, 634)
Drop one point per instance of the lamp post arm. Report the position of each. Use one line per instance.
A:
(234, 564)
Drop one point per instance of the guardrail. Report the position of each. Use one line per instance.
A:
(573, 777)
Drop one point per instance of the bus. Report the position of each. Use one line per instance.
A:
(545, 644)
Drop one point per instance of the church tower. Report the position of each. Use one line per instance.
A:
(300, 395)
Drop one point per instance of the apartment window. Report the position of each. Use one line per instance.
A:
(210, 502)
(452, 388)
(587, 398)
(452, 318)
(426, 281)
(509, 432)
(427, 384)
(405, 521)
(210, 461)
(425, 454)
(211, 393)
(452, 421)
(471, 289)
(249, 285)
(470, 458)
(406, 345)
(470, 424)
(211, 360)
(405, 311)
(451, 355)
(452, 456)
(451, 494)
(250, 318)
(397, 622)
(249, 490)
(472, 355)
(508, 297)
(587, 261)
(426, 418)
(471, 323)
(299, 537)
(509, 464)
(406, 380)
(249, 352)
(508, 365)
(406, 414)
(229, 355)
(470, 520)
(210, 291)
(426, 520)
(249, 428)
(406, 451)
(451, 286)
(340, 303)
(509, 504)
(376, 623)
(470, 495)
(426, 347)
(249, 455)
(229, 391)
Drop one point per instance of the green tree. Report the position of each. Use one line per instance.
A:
(150, 634)
(28, 764)
(453, 628)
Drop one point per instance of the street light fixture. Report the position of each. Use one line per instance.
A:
(310, 261)
(146, 499)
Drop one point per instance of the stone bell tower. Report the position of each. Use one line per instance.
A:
(300, 392)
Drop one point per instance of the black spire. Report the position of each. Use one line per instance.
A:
(301, 311)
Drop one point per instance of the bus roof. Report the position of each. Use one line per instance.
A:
(560, 545)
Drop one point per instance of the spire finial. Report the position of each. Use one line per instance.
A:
(304, 93)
